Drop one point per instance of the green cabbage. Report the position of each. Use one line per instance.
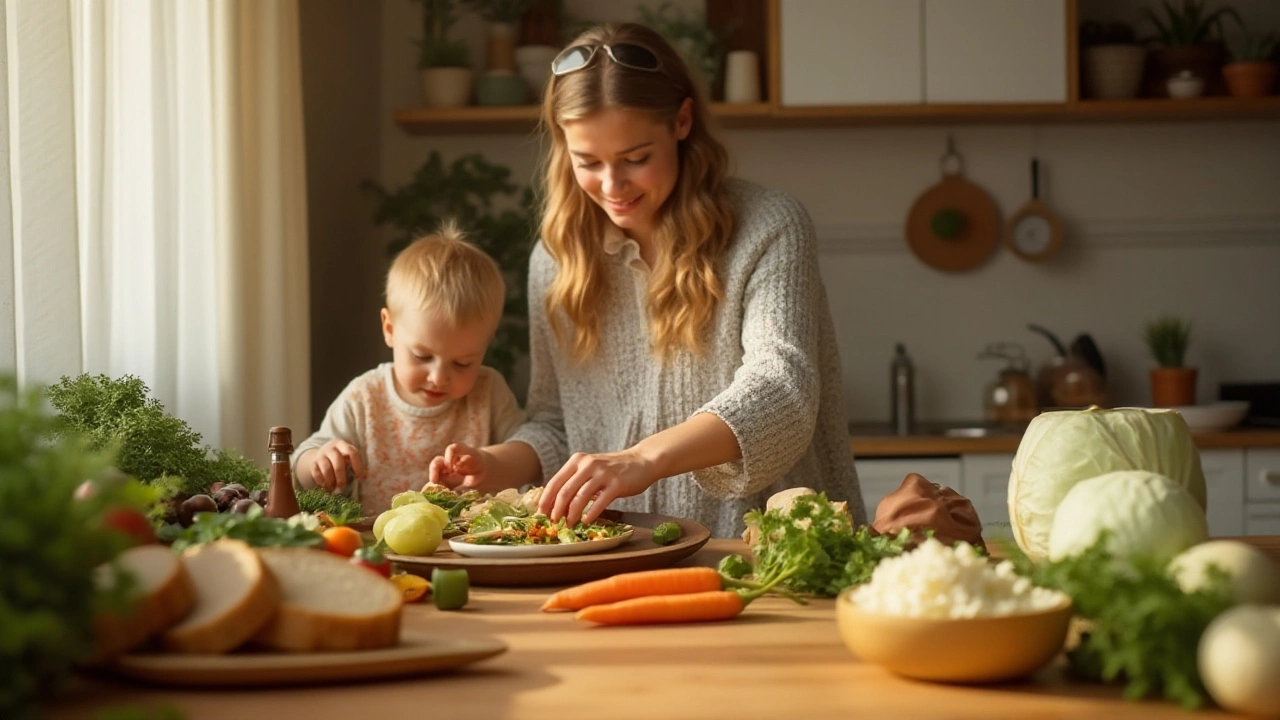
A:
(1062, 448)
(1143, 513)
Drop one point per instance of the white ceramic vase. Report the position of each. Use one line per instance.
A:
(534, 64)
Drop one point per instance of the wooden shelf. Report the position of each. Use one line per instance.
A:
(523, 118)
(476, 120)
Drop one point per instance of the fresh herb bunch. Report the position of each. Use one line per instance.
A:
(817, 548)
(1143, 629)
(1168, 338)
(340, 508)
(120, 415)
(252, 527)
(50, 547)
(453, 503)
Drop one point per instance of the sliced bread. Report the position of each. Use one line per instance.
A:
(163, 594)
(327, 603)
(235, 596)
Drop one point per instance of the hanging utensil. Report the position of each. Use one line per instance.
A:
(1034, 233)
(954, 225)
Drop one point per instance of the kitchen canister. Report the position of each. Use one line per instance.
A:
(742, 77)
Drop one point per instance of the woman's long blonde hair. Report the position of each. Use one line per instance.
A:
(693, 227)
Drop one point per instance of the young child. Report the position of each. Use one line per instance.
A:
(444, 300)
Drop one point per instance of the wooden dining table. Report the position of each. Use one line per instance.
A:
(777, 660)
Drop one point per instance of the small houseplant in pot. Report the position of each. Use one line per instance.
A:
(1252, 71)
(1173, 384)
(500, 85)
(443, 61)
(1113, 60)
(1189, 43)
(701, 47)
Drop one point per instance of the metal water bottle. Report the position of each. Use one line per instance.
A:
(902, 399)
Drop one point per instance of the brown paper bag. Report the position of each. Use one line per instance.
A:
(920, 505)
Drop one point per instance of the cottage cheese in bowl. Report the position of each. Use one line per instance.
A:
(938, 581)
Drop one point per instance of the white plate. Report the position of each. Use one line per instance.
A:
(469, 549)
(1215, 416)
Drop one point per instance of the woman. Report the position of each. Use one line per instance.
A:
(683, 355)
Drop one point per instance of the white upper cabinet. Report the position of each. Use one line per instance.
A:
(851, 52)
(995, 51)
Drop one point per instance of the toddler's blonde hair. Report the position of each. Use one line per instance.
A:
(444, 273)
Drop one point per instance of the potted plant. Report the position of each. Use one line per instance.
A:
(466, 191)
(1173, 384)
(443, 61)
(1189, 42)
(1113, 60)
(539, 43)
(1252, 71)
(500, 85)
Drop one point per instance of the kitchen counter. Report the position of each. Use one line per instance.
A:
(778, 660)
(876, 440)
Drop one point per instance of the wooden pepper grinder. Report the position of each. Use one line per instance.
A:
(281, 500)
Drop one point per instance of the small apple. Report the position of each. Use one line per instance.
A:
(130, 521)
(86, 490)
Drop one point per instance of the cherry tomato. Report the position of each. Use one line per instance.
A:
(131, 522)
(369, 557)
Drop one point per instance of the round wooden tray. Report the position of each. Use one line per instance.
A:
(641, 553)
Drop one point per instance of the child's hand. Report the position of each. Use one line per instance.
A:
(461, 465)
(329, 465)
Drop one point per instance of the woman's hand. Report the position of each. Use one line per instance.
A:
(329, 465)
(603, 477)
(461, 465)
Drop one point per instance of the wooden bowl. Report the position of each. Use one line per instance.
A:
(973, 650)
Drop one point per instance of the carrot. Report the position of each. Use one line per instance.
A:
(668, 581)
(692, 607)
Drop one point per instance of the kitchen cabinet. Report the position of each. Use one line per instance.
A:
(995, 51)
(1224, 490)
(1262, 491)
(850, 52)
(985, 481)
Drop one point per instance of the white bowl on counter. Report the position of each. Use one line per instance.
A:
(1214, 416)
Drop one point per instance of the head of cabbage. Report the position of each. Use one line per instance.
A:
(1064, 447)
(1144, 513)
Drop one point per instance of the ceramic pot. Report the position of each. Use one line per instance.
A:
(1252, 79)
(1184, 86)
(1114, 72)
(1203, 61)
(446, 86)
(1173, 386)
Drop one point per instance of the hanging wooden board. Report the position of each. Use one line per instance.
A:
(954, 225)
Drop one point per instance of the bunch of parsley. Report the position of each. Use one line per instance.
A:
(150, 444)
(816, 549)
(1143, 629)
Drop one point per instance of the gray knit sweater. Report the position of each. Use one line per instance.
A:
(771, 372)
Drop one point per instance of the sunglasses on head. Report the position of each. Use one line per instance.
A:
(635, 57)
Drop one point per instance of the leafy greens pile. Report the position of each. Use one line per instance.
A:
(50, 547)
(815, 549)
(1143, 628)
(151, 444)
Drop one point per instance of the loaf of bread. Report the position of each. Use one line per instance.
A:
(235, 596)
(163, 594)
(327, 603)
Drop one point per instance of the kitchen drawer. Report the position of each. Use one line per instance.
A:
(1262, 518)
(995, 51)
(1262, 474)
(850, 52)
(879, 477)
(1224, 490)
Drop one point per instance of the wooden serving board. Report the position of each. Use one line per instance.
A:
(640, 553)
(417, 654)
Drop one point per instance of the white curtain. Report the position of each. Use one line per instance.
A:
(191, 205)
